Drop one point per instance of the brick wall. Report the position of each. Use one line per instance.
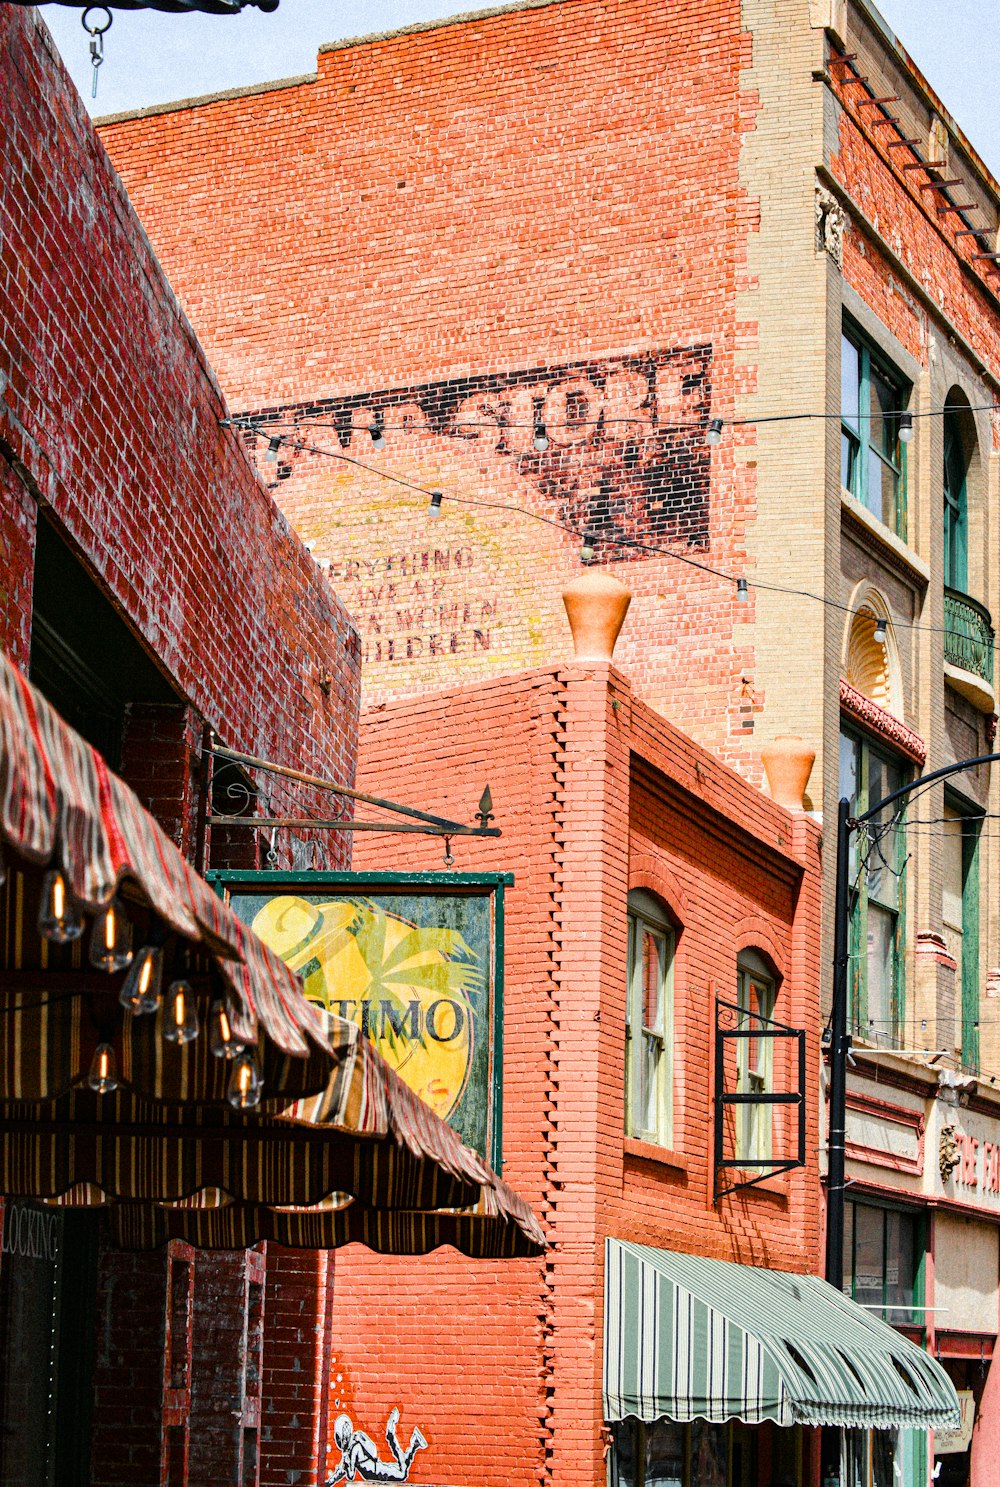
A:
(447, 232)
(128, 1371)
(295, 1401)
(109, 413)
(17, 546)
(110, 420)
(500, 1366)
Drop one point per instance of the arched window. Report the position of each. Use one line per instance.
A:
(649, 1055)
(756, 990)
(956, 512)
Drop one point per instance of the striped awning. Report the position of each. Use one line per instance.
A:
(690, 1338)
(499, 1227)
(339, 1150)
(60, 805)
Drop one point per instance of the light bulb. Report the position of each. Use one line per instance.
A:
(378, 437)
(905, 428)
(714, 434)
(220, 1032)
(742, 592)
(180, 1015)
(243, 1090)
(59, 919)
(111, 940)
(541, 440)
(880, 633)
(587, 550)
(140, 991)
(434, 509)
(103, 1075)
(271, 452)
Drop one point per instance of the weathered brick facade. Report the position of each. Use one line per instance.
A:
(505, 223)
(559, 198)
(110, 435)
(596, 794)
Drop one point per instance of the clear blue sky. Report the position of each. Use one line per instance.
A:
(152, 58)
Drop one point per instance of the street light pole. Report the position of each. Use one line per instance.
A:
(840, 1041)
(840, 1044)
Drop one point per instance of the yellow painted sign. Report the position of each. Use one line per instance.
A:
(413, 970)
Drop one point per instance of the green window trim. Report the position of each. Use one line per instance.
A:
(873, 457)
(968, 993)
(956, 508)
(878, 894)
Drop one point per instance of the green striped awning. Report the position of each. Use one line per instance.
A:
(689, 1338)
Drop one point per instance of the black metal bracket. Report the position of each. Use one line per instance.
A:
(249, 792)
(753, 1025)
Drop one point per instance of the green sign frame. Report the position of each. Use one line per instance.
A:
(455, 923)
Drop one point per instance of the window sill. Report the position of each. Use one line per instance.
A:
(893, 548)
(648, 1151)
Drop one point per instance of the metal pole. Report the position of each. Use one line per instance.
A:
(839, 1045)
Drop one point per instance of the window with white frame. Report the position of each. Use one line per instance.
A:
(755, 997)
(649, 1021)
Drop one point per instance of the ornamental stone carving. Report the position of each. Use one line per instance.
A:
(830, 223)
(949, 1155)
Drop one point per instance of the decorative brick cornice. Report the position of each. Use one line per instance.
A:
(876, 720)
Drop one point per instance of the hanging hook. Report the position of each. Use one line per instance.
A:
(272, 851)
(96, 34)
(449, 861)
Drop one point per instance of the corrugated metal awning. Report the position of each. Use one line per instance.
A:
(690, 1338)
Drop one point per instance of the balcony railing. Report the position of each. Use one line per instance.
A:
(968, 635)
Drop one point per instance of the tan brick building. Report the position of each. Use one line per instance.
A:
(524, 257)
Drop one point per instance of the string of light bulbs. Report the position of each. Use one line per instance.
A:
(61, 921)
(590, 540)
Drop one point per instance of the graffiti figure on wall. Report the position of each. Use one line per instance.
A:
(359, 1458)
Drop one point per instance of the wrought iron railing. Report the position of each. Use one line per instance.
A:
(968, 635)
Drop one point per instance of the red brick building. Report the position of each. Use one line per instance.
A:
(614, 823)
(149, 585)
(614, 224)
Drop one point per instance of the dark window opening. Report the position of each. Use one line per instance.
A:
(84, 657)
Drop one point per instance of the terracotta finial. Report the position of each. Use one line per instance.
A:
(788, 763)
(596, 606)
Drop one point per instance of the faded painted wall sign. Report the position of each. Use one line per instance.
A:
(623, 459)
(625, 455)
(412, 962)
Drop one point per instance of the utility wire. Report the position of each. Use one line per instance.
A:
(258, 423)
(301, 446)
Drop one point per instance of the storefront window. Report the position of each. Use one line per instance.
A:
(881, 1458)
(882, 1249)
(702, 1454)
(664, 1455)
